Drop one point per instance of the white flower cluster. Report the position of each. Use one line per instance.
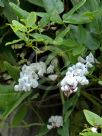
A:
(55, 121)
(50, 69)
(30, 75)
(76, 75)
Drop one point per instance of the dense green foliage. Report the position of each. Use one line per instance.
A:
(62, 29)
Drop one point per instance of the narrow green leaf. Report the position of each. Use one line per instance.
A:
(13, 42)
(74, 9)
(19, 116)
(18, 11)
(15, 104)
(64, 131)
(43, 131)
(69, 105)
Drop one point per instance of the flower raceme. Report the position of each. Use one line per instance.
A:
(55, 122)
(30, 74)
(76, 75)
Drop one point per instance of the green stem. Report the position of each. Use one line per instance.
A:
(62, 97)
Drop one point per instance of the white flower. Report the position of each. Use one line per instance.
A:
(16, 87)
(50, 69)
(49, 127)
(39, 68)
(53, 77)
(90, 58)
(84, 81)
(55, 121)
(54, 62)
(93, 129)
(70, 81)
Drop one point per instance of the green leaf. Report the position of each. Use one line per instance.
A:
(21, 35)
(91, 134)
(37, 2)
(15, 102)
(51, 5)
(12, 70)
(42, 38)
(6, 54)
(43, 131)
(41, 14)
(78, 19)
(19, 116)
(1, 3)
(90, 5)
(83, 37)
(82, 18)
(35, 96)
(69, 105)
(7, 10)
(17, 26)
(10, 100)
(63, 33)
(74, 9)
(6, 92)
(31, 19)
(92, 118)
(75, 125)
(64, 131)
(71, 44)
(78, 50)
(44, 20)
(13, 42)
(58, 41)
(22, 14)
(20, 30)
(54, 17)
